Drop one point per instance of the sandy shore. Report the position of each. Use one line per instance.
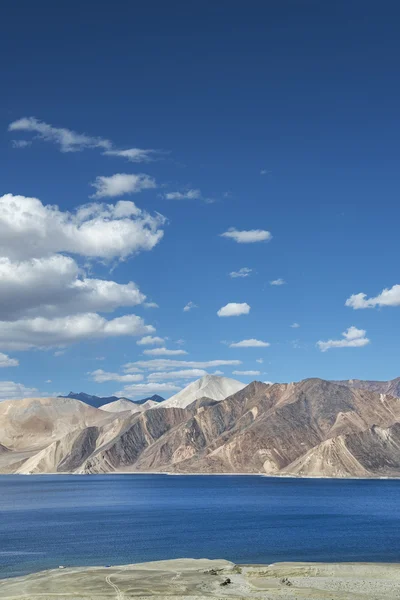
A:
(198, 579)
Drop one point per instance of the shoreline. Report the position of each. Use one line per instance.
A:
(171, 474)
(204, 578)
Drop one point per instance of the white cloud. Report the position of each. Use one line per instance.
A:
(244, 272)
(217, 372)
(193, 194)
(252, 373)
(164, 352)
(134, 155)
(40, 332)
(150, 305)
(68, 140)
(264, 172)
(71, 141)
(183, 374)
(295, 325)
(121, 183)
(6, 361)
(9, 390)
(164, 364)
(59, 352)
(30, 229)
(260, 360)
(48, 381)
(352, 338)
(189, 306)
(277, 282)
(20, 143)
(53, 286)
(147, 389)
(252, 343)
(150, 340)
(100, 376)
(387, 297)
(233, 309)
(247, 237)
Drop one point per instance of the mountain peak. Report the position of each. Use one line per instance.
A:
(214, 387)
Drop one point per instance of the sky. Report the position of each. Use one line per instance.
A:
(192, 188)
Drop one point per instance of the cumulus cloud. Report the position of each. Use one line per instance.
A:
(100, 376)
(164, 352)
(165, 364)
(6, 361)
(41, 332)
(387, 297)
(9, 390)
(182, 374)
(120, 184)
(244, 272)
(260, 360)
(30, 229)
(193, 194)
(233, 309)
(149, 340)
(247, 237)
(277, 282)
(139, 390)
(251, 373)
(70, 141)
(295, 325)
(189, 306)
(352, 338)
(251, 343)
(53, 286)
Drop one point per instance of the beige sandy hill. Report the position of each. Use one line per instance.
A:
(36, 422)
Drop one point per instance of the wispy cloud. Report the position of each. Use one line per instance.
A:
(234, 309)
(387, 297)
(277, 282)
(252, 373)
(20, 143)
(164, 352)
(295, 325)
(70, 141)
(251, 343)
(189, 306)
(100, 376)
(247, 237)
(182, 374)
(243, 272)
(120, 184)
(352, 338)
(193, 194)
(10, 390)
(165, 364)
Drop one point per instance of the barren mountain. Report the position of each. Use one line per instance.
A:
(99, 402)
(210, 386)
(391, 387)
(310, 428)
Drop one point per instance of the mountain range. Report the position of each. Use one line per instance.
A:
(312, 428)
(98, 401)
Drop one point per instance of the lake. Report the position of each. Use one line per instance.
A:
(46, 521)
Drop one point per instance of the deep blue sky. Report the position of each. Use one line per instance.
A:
(306, 91)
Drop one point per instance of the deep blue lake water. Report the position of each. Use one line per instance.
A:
(46, 521)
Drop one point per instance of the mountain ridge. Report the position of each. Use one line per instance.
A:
(311, 428)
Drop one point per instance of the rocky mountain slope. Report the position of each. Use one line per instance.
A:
(391, 387)
(310, 428)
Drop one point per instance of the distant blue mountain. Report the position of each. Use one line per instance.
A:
(98, 401)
